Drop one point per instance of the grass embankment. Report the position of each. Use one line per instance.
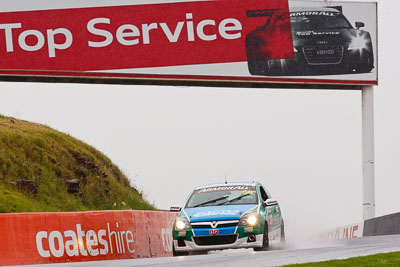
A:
(384, 259)
(50, 160)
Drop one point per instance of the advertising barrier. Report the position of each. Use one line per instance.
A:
(275, 41)
(383, 225)
(39, 238)
(59, 237)
(345, 232)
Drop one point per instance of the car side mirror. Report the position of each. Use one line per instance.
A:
(271, 202)
(175, 208)
(359, 25)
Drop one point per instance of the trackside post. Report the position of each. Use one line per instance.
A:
(368, 152)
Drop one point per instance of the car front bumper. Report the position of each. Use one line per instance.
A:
(346, 62)
(239, 243)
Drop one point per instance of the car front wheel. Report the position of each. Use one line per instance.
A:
(283, 240)
(265, 244)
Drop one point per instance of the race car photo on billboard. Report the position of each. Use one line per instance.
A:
(225, 216)
(324, 43)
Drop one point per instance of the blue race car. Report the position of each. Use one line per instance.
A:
(227, 215)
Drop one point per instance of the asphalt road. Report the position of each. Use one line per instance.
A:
(341, 249)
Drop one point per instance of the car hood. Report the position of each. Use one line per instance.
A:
(217, 213)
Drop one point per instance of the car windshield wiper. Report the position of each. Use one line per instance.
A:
(209, 201)
(234, 199)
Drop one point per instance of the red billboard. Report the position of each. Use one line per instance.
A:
(59, 237)
(222, 40)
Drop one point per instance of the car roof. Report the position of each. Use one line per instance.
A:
(311, 9)
(227, 184)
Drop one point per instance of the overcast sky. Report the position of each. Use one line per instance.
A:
(303, 145)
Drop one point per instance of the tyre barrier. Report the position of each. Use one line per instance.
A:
(384, 225)
(40, 238)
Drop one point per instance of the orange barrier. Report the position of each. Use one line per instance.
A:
(38, 238)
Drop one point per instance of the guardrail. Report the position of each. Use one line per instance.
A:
(39, 238)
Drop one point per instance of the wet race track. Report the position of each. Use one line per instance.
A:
(274, 257)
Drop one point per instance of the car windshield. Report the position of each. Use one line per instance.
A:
(302, 21)
(223, 195)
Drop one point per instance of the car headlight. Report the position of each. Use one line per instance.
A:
(182, 224)
(249, 219)
(358, 42)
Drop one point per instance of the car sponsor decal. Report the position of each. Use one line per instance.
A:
(314, 13)
(227, 188)
(308, 33)
(248, 229)
(216, 212)
(213, 231)
(220, 184)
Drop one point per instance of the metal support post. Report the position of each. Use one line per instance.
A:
(368, 152)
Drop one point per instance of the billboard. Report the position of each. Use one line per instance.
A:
(61, 237)
(275, 41)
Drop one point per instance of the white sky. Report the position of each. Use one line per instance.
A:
(303, 145)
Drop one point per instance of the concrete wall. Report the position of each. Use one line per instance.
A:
(385, 225)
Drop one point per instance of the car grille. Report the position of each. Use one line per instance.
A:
(214, 224)
(215, 240)
(324, 54)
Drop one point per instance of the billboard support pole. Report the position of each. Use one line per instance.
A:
(368, 167)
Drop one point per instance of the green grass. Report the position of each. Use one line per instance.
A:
(49, 158)
(384, 259)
